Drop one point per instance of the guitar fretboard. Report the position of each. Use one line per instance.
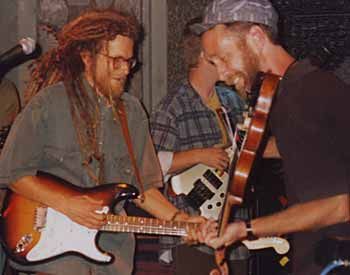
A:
(147, 225)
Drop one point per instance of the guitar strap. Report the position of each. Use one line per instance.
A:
(223, 116)
(125, 129)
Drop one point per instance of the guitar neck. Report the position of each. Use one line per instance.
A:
(147, 225)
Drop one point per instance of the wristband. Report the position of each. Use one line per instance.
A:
(249, 231)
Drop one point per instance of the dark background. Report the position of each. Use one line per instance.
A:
(320, 28)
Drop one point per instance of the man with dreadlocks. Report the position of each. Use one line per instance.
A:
(71, 129)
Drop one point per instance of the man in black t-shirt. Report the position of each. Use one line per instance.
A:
(308, 121)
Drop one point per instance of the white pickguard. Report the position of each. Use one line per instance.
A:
(61, 235)
(183, 184)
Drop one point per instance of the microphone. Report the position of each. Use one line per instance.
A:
(25, 50)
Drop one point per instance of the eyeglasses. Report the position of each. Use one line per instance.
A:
(118, 61)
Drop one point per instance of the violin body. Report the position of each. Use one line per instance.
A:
(249, 153)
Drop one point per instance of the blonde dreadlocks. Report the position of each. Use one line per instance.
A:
(64, 63)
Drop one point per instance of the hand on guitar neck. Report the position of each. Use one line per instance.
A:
(209, 234)
(237, 231)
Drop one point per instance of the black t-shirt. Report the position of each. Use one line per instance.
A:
(310, 121)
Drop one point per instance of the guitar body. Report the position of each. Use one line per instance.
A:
(58, 236)
(32, 232)
(205, 188)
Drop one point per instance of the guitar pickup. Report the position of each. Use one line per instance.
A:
(212, 179)
(199, 194)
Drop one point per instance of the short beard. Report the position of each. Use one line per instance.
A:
(243, 79)
(105, 88)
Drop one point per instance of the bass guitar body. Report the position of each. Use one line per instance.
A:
(205, 188)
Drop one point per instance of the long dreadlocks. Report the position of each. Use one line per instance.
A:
(64, 63)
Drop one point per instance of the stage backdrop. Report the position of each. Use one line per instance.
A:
(319, 28)
(22, 18)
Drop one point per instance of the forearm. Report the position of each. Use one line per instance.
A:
(157, 205)
(42, 190)
(303, 217)
(183, 160)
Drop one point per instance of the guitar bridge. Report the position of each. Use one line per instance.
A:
(40, 218)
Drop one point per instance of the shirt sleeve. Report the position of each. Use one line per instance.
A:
(150, 168)
(23, 149)
(164, 131)
(147, 161)
(165, 159)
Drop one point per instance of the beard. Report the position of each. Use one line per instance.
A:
(111, 88)
(116, 87)
(243, 78)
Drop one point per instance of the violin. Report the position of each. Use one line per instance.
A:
(256, 122)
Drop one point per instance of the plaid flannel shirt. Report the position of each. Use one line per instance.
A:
(180, 122)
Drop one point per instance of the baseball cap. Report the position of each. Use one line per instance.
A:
(230, 11)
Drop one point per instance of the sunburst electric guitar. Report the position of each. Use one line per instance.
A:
(32, 232)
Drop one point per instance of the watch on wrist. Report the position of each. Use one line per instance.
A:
(249, 231)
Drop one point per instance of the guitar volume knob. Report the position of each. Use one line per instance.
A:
(23, 243)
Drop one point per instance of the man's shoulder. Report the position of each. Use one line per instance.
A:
(54, 91)
(314, 78)
(174, 100)
(50, 96)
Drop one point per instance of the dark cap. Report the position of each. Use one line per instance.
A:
(230, 11)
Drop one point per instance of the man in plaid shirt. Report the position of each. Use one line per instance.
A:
(187, 129)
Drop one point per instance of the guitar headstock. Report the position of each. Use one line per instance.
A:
(280, 245)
